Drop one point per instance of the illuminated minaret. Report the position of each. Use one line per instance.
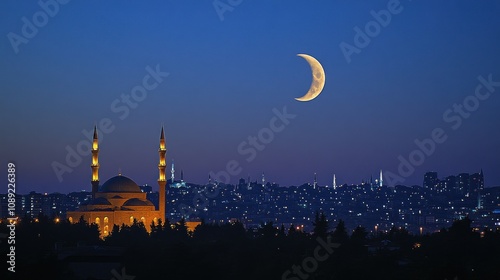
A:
(334, 182)
(172, 172)
(315, 181)
(95, 164)
(381, 179)
(480, 190)
(162, 151)
(263, 180)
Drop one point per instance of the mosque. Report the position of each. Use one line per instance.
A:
(120, 200)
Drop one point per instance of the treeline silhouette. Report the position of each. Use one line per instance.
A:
(270, 251)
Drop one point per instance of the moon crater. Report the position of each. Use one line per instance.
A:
(318, 78)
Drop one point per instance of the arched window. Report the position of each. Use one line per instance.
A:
(143, 220)
(155, 220)
(106, 220)
(106, 228)
(70, 220)
(131, 219)
(97, 220)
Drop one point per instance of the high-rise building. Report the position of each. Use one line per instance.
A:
(451, 184)
(476, 182)
(463, 183)
(172, 173)
(431, 181)
(476, 187)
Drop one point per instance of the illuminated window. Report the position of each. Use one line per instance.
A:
(97, 220)
(106, 220)
(143, 220)
(131, 219)
(155, 220)
(71, 219)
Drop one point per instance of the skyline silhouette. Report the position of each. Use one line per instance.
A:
(216, 80)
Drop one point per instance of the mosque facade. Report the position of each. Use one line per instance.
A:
(120, 200)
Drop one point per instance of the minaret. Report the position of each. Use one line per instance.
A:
(481, 178)
(334, 182)
(315, 181)
(95, 163)
(480, 190)
(182, 176)
(209, 179)
(381, 180)
(172, 172)
(162, 151)
(263, 180)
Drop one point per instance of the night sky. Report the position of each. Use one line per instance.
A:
(227, 72)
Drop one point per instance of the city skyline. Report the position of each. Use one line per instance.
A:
(372, 179)
(216, 80)
(431, 207)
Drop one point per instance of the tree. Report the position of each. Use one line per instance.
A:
(320, 225)
(461, 228)
(281, 232)
(267, 230)
(340, 233)
(158, 229)
(207, 232)
(138, 230)
(82, 221)
(180, 229)
(358, 236)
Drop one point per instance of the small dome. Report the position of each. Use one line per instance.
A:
(120, 184)
(137, 202)
(99, 201)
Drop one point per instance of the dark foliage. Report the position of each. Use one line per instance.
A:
(229, 251)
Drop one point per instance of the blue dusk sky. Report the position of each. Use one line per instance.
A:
(215, 73)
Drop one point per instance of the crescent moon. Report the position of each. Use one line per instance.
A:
(318, 78)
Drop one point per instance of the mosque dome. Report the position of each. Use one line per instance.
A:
(120, 184)
(100, 201)
(137, 202)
